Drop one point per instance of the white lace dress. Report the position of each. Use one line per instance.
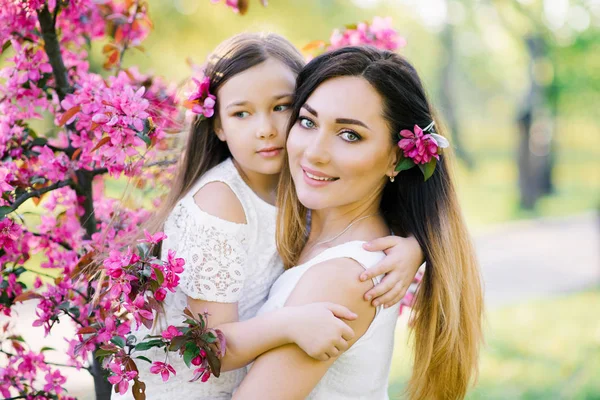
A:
(361, 373)
(225, 262)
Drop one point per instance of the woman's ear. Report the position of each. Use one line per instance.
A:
(394, 160)
(218, 127)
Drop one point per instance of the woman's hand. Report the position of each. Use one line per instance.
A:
(402, 261)
(319, 330)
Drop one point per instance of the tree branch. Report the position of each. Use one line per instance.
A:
(52, 48)
(45, 362)
(38, 193)
(63, 244)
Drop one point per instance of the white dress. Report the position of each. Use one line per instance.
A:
(362, 371)
(226, 262)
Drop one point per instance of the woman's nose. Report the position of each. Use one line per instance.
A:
(317, 150)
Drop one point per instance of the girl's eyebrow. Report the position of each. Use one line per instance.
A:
(243, 103)
(338, 120)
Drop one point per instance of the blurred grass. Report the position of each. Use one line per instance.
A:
(540, 350)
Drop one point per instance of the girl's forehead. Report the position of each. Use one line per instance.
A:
(268, 79)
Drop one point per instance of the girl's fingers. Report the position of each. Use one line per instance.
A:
(383, 267)
(381, 244)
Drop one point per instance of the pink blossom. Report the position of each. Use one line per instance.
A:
(5, 176)
(201, 102)
(160, 294)
(121, 377)
(170, 333)
(54, 382)
(153, 239)
(163, 369)
(418, 147)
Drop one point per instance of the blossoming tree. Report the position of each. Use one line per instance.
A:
(53, 200)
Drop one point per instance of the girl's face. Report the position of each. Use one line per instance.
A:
(254, 109)
(340, 150)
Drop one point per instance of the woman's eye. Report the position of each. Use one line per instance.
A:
(281, 107)
(306, 123)
(241, 114)
(350, 136)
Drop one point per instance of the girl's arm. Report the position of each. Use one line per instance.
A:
(248, 339)
(286, 372)
(403, 259)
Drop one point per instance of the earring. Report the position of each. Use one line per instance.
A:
(392, 178)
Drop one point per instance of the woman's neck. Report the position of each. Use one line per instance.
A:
(330, 227)
(265, 186)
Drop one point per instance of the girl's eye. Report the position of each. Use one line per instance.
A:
(241, 114)
(350, 136)
(281, 107)
(306, 123)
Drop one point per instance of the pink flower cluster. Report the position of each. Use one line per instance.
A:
(418, 146)
(22, 373)
(379, 33)
(201, 102)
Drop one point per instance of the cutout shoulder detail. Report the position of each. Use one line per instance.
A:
(218, 199)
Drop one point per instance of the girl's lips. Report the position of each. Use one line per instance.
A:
(270, 152)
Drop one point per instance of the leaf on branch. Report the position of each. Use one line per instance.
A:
(5, 210)
(119, 341)
(138, 390)
(70, 113)
(101, 143)
(5, 46)
(47, 348)
(144, 358)
(76, 154)
(27, 296)
(86, 330)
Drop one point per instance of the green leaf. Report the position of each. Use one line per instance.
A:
(191, 351)
(148, 345)
(427, 169)
(103, 353)
(145, 138)
(39, 141)
(119, 341)
(46, 348)
(5, 46)
(4, 210)
(209, 337)
(144, 358)
(404, 164)
(160, 277)
(177, 342)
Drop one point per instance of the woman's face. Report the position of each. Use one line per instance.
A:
(340, 149)
(254, 109)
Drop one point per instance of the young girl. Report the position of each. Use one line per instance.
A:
(220, 218)
(357, 118)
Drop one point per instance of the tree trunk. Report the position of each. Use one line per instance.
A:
(101, 385)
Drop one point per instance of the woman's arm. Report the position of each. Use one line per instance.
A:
(287, 372)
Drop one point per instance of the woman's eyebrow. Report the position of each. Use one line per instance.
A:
(237, 103)
(351, 122)
(310, 110)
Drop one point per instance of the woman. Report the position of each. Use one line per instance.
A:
(345, 151)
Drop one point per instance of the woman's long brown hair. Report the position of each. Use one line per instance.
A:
(449, 305)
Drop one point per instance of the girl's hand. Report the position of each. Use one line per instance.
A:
(402, 261)
(318, 329)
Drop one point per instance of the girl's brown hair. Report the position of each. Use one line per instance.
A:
(449, 305)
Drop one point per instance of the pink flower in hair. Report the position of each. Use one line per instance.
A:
(417, 146)
(201, 102)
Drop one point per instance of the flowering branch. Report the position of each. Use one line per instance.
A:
(35, 193)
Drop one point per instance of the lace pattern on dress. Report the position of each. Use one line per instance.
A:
(215, 258)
